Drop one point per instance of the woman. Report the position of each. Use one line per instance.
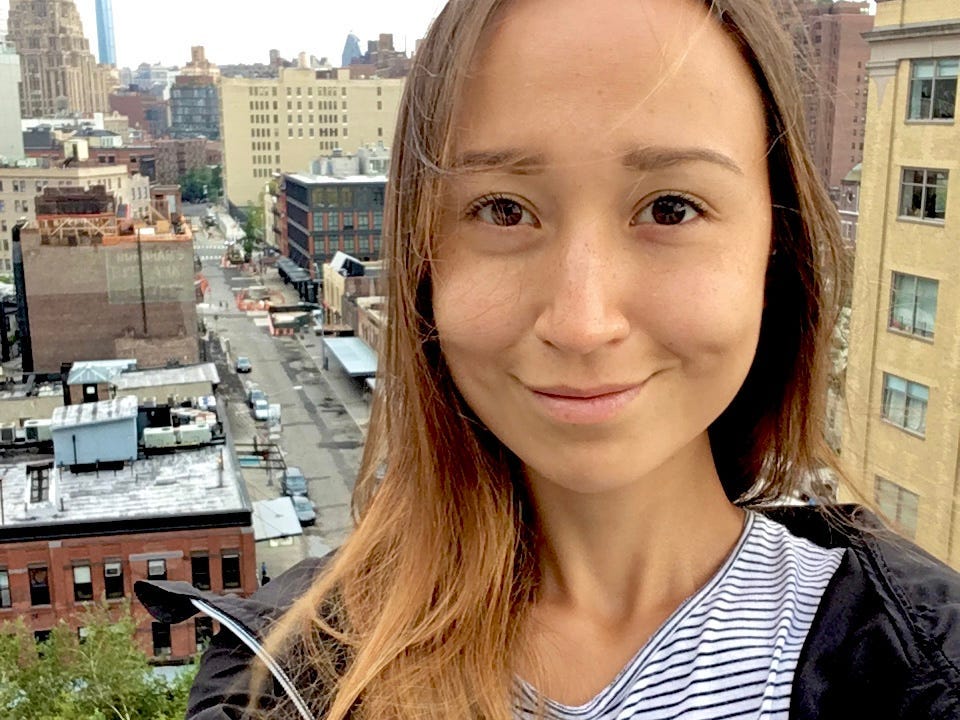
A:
(613, 281)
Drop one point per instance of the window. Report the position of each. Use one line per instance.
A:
(933, 89)
(41, 636)
(82, 634)
(203, 632)
(39, 482)
(230, 568)
(905, 403)
(913, 304)
(156, 569)
(82, 583)
(39, 585)
(898, 505)
(200, 569)
(161, 638)
(113, 579)
(923, 194)
(5, 600)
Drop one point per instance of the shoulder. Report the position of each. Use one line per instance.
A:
(886, 638)
(221, 688)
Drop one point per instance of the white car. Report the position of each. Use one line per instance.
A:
(261, 409)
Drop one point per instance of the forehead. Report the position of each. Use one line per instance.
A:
(606, 73)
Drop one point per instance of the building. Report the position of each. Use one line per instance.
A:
(86, 522)
(902, 437)
(175, 157)
(11, 139)
(321, 215)
(837, 112)
(21, 184)
(59, 74)
(351, 51)
(101, 286)
(195, 98)
(282, 125)
(381, 60)
(106, 44)
(98, 147)
(144, 111)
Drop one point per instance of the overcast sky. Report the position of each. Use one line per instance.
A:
(235, 31)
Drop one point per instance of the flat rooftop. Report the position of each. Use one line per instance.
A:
(188, 483)
(305, 179)
(132, 379)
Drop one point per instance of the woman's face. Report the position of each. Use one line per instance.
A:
(599, 279)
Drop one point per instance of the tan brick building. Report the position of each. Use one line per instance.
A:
(902, 438)
(283, 124)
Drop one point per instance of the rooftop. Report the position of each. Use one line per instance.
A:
(179, 485)
(204, 372)
(86, 372)
(92, 413)
(328, 180)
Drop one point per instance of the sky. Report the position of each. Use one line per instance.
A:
(242, 31)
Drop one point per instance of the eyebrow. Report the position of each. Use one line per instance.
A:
(641, 159)
(654, 158)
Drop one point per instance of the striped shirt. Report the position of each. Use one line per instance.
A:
(731, 649)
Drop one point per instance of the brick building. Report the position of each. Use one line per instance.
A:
(100, 287)
(175, 157)
(145, 111)
(75, 533)
(320, 215)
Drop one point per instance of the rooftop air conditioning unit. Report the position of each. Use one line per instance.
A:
(8, 433)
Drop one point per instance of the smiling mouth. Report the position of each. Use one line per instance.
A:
(584, 406)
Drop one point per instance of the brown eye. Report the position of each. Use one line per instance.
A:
(669, 210)
(502, 212)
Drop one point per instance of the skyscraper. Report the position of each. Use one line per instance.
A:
(351, 50)
(105, 41)
(11, 137)
(58, 72)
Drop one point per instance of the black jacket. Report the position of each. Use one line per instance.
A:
(885, 642)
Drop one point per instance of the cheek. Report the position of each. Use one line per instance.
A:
(714, 315)
(476, 305)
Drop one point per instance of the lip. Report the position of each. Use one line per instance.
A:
(584, 406)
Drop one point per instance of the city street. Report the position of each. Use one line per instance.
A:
(323, 412)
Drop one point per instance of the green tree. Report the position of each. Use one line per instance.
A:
(104, 677)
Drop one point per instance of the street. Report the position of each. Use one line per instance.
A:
(323, 413)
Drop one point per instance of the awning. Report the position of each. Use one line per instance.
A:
(275, 519)
(356, 357)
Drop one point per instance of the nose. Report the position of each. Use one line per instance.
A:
(583, 292)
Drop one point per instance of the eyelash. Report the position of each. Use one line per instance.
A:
(482, 203)
(698, 207)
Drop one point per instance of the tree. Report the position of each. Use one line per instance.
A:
(202, 184)
(105, 676)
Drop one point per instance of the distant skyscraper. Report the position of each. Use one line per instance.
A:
(59, 74)
(11, 136)
(351, 50)
(106, 44)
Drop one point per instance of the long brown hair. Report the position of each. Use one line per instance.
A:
(420, 612)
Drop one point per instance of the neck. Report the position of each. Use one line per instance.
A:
(641, 547)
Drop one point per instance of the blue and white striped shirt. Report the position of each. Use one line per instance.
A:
(731, 649)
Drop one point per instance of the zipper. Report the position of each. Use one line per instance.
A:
(251, 642)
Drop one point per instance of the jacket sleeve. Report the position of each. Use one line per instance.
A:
(221, 690)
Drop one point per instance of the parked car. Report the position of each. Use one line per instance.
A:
(243, 364)
(293, 483)
(261, 409)
(254, 394)
(306, 512)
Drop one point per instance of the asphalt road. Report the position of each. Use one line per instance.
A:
(323, 412)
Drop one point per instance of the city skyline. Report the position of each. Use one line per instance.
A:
(318, 30)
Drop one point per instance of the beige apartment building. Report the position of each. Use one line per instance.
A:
(272, 125)
(20, 186)
(902, 438)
